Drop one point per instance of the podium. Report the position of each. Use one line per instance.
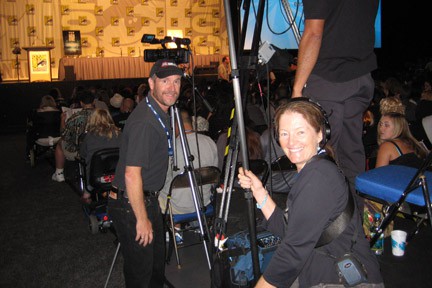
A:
(39, 63)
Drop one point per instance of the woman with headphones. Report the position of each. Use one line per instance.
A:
(311, 253)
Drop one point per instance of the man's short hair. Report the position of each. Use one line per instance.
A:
(86, 96)
(185, 115)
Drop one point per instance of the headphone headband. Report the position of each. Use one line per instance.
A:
(325, 126)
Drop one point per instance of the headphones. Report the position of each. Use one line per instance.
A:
(325, 126)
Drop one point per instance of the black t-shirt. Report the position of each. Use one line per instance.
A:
(120, 119)
(347, 49)
(144, 144)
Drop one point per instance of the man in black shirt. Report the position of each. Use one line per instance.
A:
(335, 58)
(141, 171)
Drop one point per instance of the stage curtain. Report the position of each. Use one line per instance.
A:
(111, 28)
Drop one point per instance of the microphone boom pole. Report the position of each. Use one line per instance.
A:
(242, 138)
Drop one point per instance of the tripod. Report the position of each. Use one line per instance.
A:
(239, 140)
(189, 169)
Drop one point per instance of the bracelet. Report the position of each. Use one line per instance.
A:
(260, 206)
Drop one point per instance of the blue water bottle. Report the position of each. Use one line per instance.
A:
(378, 247)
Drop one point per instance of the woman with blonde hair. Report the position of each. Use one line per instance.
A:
(101, 133)
(47, 104)
(397, 146)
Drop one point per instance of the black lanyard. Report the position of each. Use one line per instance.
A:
(170, 148)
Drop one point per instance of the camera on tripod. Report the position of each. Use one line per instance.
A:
(179, 55)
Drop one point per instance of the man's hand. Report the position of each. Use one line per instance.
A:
(134, 187)
(144, 232)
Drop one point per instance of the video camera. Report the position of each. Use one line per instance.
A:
(179, 55)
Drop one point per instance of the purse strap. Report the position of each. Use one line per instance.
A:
(342, 221)
(339, 224)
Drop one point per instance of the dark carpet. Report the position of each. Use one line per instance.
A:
(46, 241)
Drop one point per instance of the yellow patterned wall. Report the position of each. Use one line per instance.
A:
(111, 28)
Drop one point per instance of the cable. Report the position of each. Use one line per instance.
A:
(290, 23)
(195, 126)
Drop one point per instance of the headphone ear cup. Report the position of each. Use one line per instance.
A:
(326, 131)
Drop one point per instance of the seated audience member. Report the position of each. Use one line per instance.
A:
(43, 124)
(396, 144)
(255, 150)
(205, 154)
(256, 113)
(126, 108)
(254, 144)
(101, 133)
(223, 104)
(392, 87)
(46, 127)
(115, 103)
(200, 121)
(424, 109)
(100, 97)
(391, 104)
(73, 128)
(47, 104)
(319, 195)
(74, 99)
(58, 97)
(427, 85)
(141, 92)
(370, 136)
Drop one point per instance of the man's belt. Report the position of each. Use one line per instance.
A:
(116, 193)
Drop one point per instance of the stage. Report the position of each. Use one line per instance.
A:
(117, 67)
(18, 98)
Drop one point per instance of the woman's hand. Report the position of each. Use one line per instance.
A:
(248, 180)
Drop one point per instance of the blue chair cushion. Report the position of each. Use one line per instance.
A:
(389, 182)
(189, 217)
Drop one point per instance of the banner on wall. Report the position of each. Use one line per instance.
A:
(72, 42)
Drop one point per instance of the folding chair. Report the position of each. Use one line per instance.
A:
(283, 173)
(204, 176)
(400, 189)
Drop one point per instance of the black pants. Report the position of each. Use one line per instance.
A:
(143, 266)
(345, 104)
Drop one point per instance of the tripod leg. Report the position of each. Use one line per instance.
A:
(112, 265)
(173, 238)
(192, 181)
